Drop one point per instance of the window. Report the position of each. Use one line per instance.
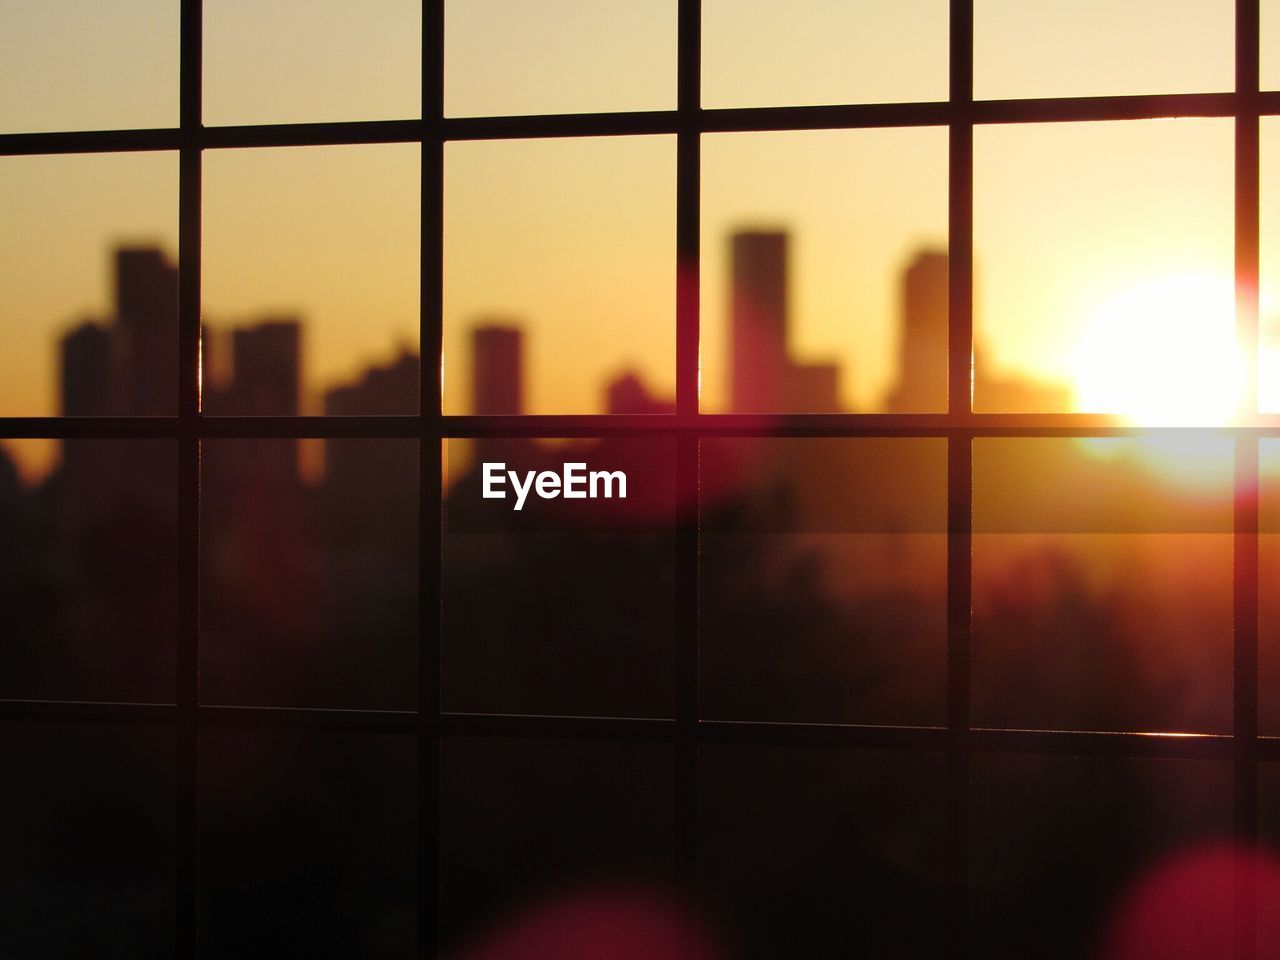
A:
(280, 284)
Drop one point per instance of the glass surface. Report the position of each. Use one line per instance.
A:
(546, 842)
(1269, 68)
(1263, 873)
(68, 65)
(1268, 578)
(1269, 267)
(807, 852)
(506, 57)
(87, 862)
(309, 585)
(822, 595)
(766, 53)
(88, 584)
(308, 844)
(311, 280)
(563, 606)
(297, 61)
(1097, 48)
(1104, 257)
(1109, 857)
(824, 266)
(88, 249)
(564, 251)
(1102, 584)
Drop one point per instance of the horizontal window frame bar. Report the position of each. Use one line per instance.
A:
(939, 113)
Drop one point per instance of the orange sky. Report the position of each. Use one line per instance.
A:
(575, 238)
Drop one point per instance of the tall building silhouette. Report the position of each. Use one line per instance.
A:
(497, 361)
(146, 331)
(85, 377)
(128, 364)
(763, 376)
(266, 381)
(497, 383)
(922, 336)
(363, 474)
(266, 362)
(389, 390)
(758, 320)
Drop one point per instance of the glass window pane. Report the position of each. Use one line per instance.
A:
(1096, 48)
(1268, 578)
(569, 245)
(507, 57)
(824, 271)
(298, 61)
(822, 595)
(88, 591)
(88, 247)
(1067, 853)
(309, 582)
(541, 838)
(88, 859)
(310, 280)
(765, 53)
(1269, 268)
(67, 65)
(1270, 44)
(1102, 584)
(561, 607)
(1104, 260)
(308, 844)
(807, 852)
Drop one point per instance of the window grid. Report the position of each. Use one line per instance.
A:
(959, 426)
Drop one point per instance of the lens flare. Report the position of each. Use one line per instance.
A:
(1163, 353)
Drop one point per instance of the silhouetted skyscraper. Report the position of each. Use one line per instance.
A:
(497, 361)
(390, 390)
(267, 369)
(922, 361)
(146, 331)
(758, 320)
(266, 381)
(362, 474)
(85, 371)
(763, 376)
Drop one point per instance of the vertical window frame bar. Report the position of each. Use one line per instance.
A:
(959, 467)
(187, 694)
(430, 476)
(1245, 520)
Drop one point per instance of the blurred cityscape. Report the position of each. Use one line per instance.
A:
(823, 582)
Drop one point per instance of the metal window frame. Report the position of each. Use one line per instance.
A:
(686, 732)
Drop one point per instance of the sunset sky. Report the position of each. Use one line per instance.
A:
(574, 239)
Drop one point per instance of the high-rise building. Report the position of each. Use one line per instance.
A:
(85, 371)
(763, 375)
(389, 390)
(146, 332)
(497, 363)
(922, 360)
(265, 381)
(758, 321)
(363, 475)
(266, 363)
(813, 387)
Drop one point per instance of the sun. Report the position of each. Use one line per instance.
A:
(1163, 353)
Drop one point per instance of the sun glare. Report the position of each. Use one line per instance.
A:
(1163, 353)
